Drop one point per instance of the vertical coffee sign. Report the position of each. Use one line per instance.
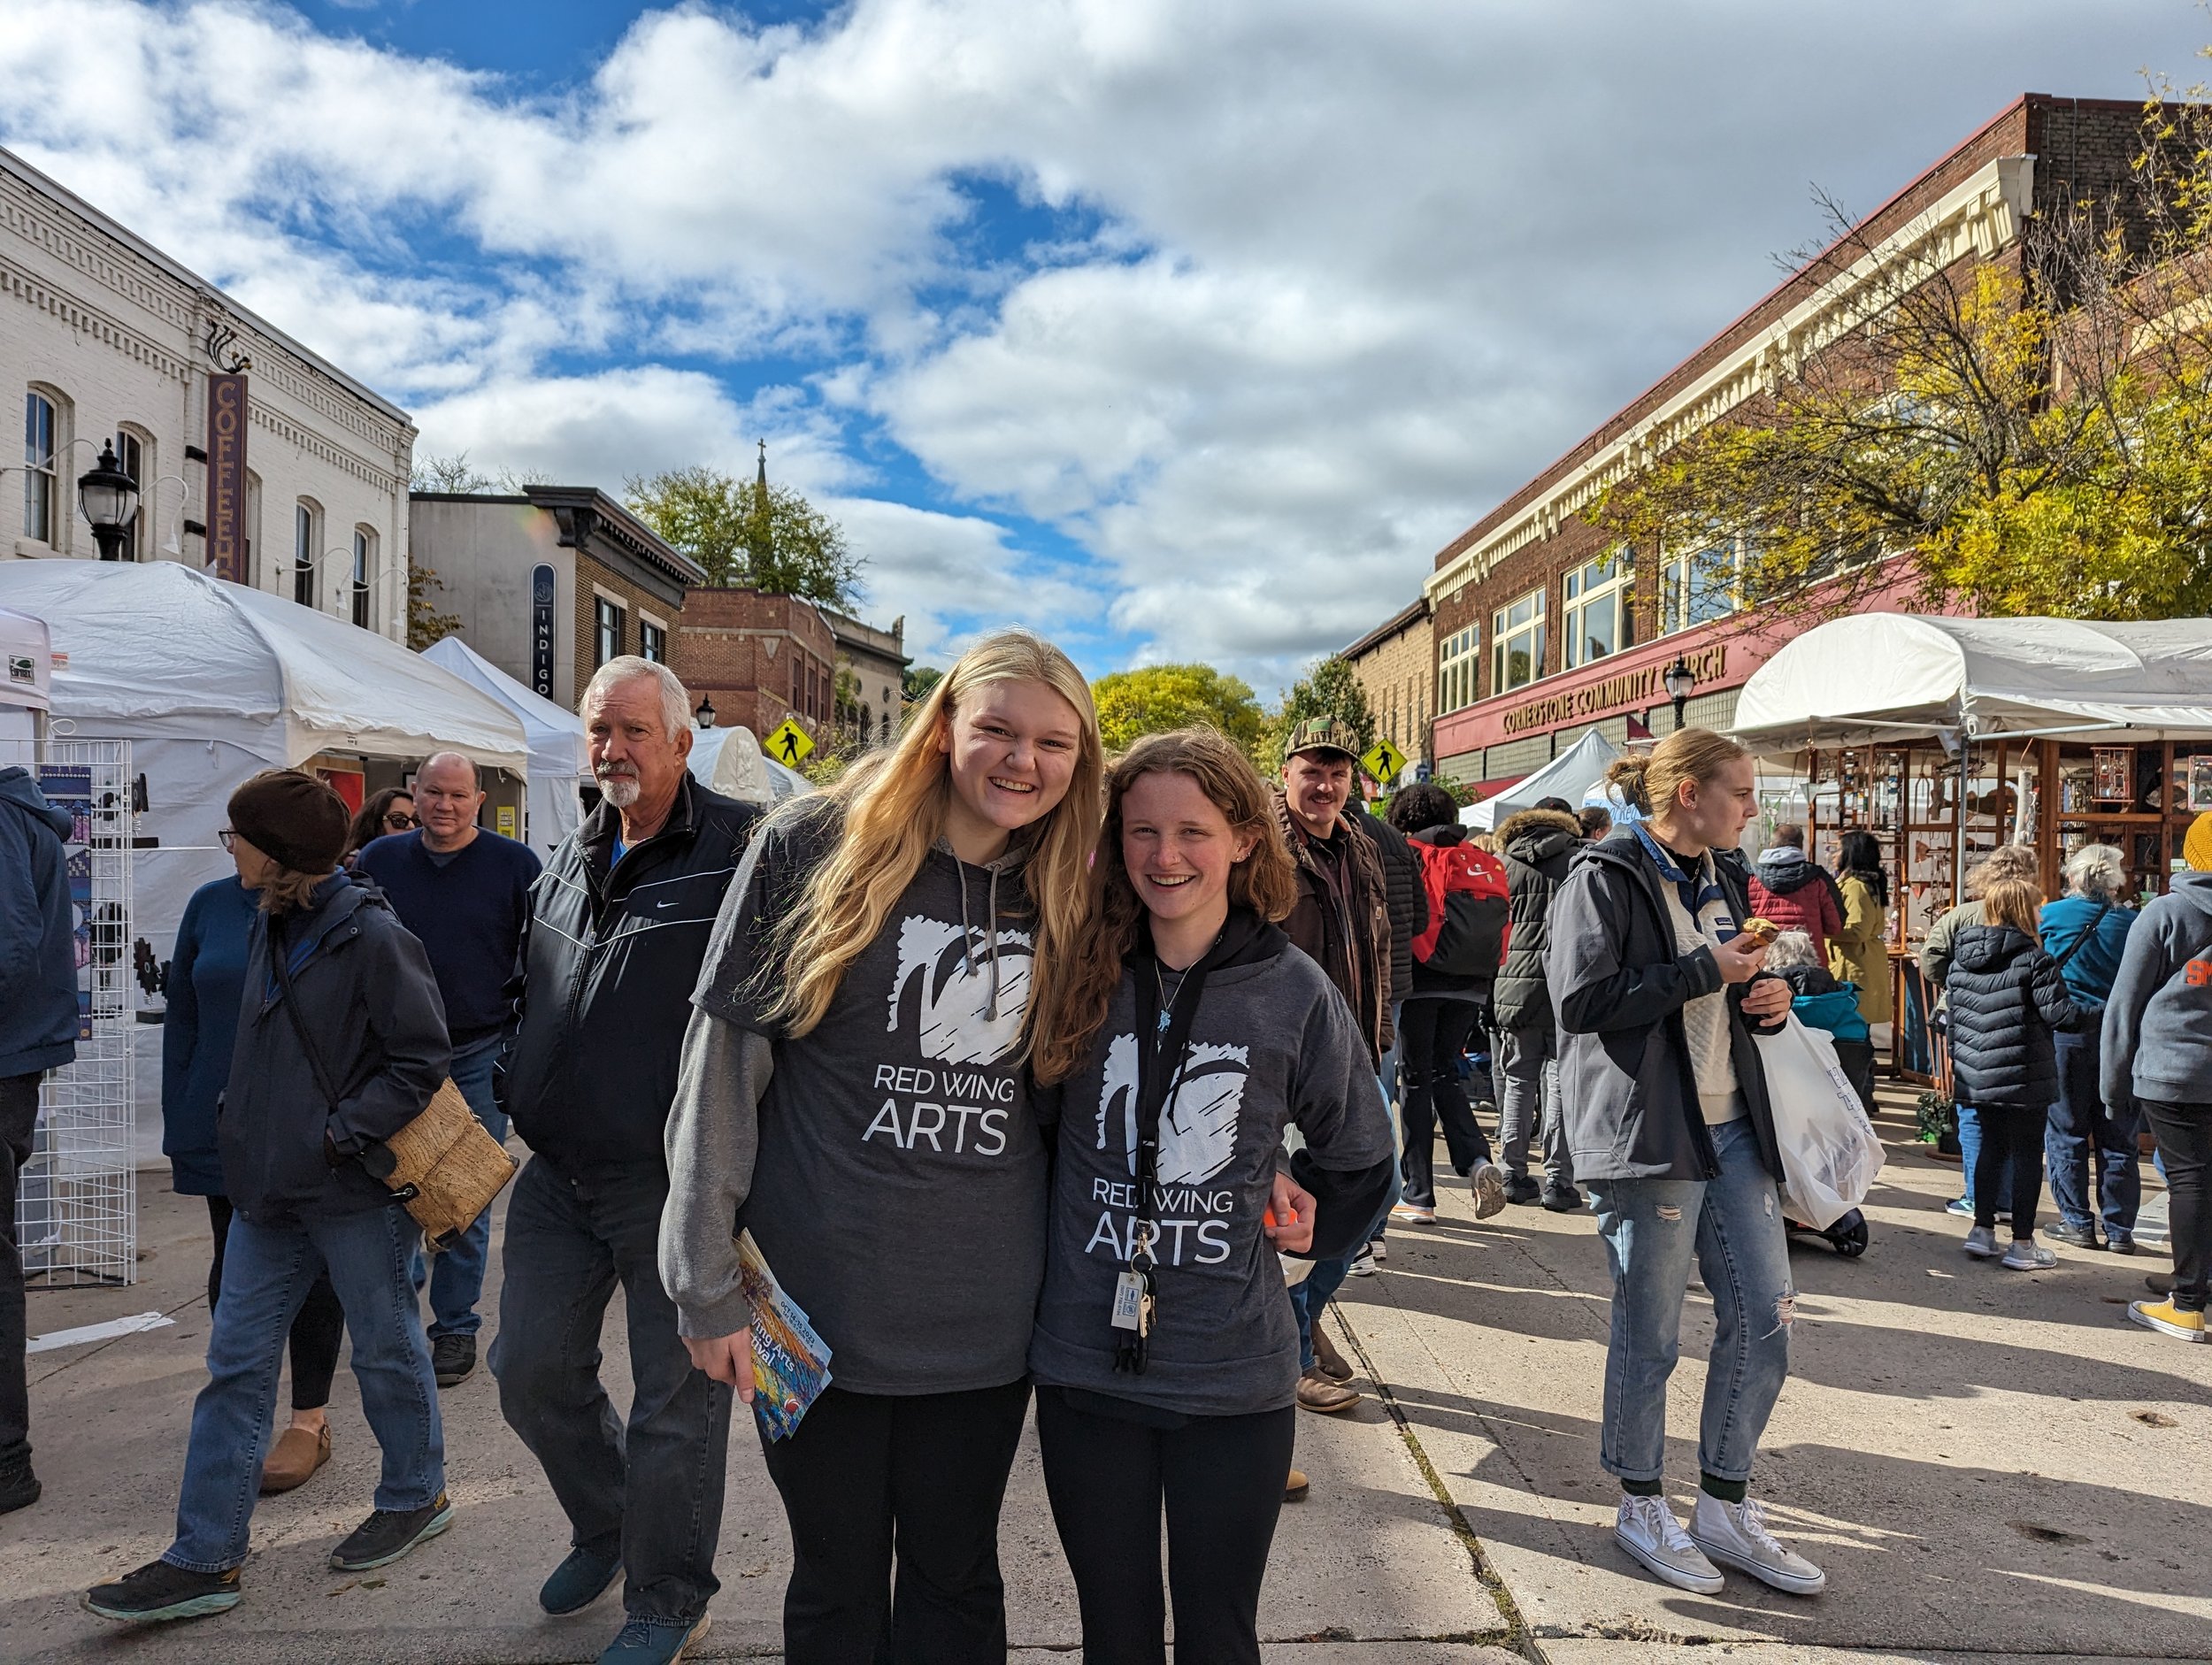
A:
(226, 549)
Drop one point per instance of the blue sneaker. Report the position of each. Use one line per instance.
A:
(580, 1579)
(653, 1641)
(1963, 1207)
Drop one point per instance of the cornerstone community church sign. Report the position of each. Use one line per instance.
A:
(1627, 691)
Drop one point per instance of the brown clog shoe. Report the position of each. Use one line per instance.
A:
(297, 1455)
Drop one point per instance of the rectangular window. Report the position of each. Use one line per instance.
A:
(1598, 619)
(1696, 589)
(130, 457)
(1516, 643)
(303, 553)
(361, 579)
(40, 492)
(1455, 665)
(652, 642)
(607, 623)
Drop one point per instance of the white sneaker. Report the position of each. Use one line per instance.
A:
(1380, 1250)
(2026, 1255)
(1981, 1243)
(1647, 1529)
(1489, 1188)
(1736, 1535)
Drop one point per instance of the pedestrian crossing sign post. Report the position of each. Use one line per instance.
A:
(789, 744)
(1384, 760)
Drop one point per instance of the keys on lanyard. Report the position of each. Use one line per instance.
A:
(1136, 1296)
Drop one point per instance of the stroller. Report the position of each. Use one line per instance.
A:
(1847, 1236)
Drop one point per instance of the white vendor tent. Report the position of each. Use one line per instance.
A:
(730, 760)
(26, 674)
(1885, 678)
(558, 759)
(1573, 775)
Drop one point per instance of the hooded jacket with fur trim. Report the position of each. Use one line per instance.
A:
(1539, 847)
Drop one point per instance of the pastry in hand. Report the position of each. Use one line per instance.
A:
(1762, 931)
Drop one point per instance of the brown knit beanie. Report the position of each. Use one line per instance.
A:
(292, 818)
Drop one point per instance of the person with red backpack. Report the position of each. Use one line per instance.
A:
(1455, 962)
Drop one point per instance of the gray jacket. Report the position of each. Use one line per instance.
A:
(2158, 1024)
(1618, 988)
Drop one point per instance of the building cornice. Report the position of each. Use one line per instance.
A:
(1982, 215)
(1403, 620)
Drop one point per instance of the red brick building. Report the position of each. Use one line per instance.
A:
(759, 658)
(1545, 626)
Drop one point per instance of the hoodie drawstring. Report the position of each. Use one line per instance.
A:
(990, 1006)
(967, 933)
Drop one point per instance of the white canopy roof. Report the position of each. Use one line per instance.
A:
(1571, 775)
(1893, 676)
(557, 756)
(730, 760)
(164, 651)
(27, 670)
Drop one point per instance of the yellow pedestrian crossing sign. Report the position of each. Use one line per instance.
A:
(789, 744)
(1383, 761)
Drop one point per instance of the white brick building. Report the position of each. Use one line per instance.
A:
(103, 337)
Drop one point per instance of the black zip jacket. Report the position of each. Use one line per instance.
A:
(2006, 996)
(1539, 847)
(368, 999)
(1406, 897)
(609, 956)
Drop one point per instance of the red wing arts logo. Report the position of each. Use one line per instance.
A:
(1198, 1129)
(958, 1021)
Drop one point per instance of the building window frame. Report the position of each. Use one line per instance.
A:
(307, 522)
(133, 454)
(610, 622)
(1698, 586)
(1458, 665)
(45, 441)
(1597, 609)
(652, 639)
(363, 572)
(1517, 634)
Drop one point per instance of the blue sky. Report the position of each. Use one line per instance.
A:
(1178, 330)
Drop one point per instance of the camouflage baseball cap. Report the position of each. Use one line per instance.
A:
(1322, 734)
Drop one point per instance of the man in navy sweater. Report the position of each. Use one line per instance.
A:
(465, 894)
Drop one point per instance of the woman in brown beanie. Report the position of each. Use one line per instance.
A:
(337, 993)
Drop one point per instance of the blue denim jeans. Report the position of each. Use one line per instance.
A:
(457, 1275)
(2079, 1122)
(1971, 1152)
(1732, 1225)
(267, 1271)
(654, 1488)
(1529, 1079)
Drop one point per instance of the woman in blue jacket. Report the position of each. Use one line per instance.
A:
(2086, 932)
(207, 979)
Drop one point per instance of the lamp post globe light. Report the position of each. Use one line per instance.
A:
(705, 713)
(110, 500)
(1679, 679)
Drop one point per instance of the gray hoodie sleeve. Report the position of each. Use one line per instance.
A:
(714, 1136)
(2146, 964)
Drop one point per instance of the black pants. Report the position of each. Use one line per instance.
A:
(2184, 1148)
(872, 1479)
(19, 1119)
(2012, 1143)
(1221, 1480)
(316, 1332)
(1432, 1034)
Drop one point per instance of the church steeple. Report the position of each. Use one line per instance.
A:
(763, 465)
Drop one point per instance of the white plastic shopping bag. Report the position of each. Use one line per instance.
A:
(1830, 1154)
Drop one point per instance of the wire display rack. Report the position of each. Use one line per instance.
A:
(77, 1199)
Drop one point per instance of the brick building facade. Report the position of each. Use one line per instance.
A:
(1545, 626)
(1395, 662)
(760, 658)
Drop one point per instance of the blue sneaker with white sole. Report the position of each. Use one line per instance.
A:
(654, 1641)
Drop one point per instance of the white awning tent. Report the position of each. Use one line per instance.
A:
(558, 760)
(27, 676)
(1891, 678)
(1575, 775)
(730, 760)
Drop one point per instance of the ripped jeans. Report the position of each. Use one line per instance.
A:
(1733, 1227)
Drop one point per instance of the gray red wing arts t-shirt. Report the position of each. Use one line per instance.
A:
(1272, 1042)
(899, 1191)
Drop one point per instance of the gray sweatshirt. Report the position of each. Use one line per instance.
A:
(889, 1162)
(2157, 1035)
(1271, 1043)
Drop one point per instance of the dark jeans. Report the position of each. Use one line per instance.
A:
(2185, 1149)
(19, 1119)
(871, 1480)
(654, 1489)
(1220, 1479)
(2011, 1155)
(2078, 1125)
(316, 1333)
(1432, 1034)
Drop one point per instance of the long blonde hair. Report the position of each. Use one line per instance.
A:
(1648, 784)
(892, 809)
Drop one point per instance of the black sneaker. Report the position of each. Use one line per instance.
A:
(19, 1486)
(157, 1591)
(1562, 1199)
(1522, 1189)
(2120, 1242)
(2080, 1237)
(452, 1358)
(581, 1580)
(388, 1534)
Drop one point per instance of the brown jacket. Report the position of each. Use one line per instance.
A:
(1352, 945)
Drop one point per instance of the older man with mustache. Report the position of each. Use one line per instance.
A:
(618, 925)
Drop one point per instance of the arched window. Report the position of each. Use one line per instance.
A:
(134, 455)
(306, 534)
(43, 439)
(364, 569)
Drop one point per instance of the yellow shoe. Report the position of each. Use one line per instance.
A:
(2165, 1316)
(1294, 1488)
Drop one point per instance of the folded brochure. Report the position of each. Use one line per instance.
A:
(790, 1362)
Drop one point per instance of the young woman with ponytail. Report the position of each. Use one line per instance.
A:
(857, 1090)
(1658, 995)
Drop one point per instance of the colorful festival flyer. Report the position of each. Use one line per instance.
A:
(790, 1362)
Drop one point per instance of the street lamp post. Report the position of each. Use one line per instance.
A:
(1679, 679)
(110, 499)
(705, 713)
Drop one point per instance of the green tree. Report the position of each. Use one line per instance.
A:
(916, 680)
(1155, 698)
(749, 534)
(1329, 688)
(426, 624)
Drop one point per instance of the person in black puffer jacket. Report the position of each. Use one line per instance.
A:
(1539, 846)
(2006, 999)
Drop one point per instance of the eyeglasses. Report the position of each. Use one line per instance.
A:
(397, 822)
(228, 837)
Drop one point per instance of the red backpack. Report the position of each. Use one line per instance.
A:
(1470, 918)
